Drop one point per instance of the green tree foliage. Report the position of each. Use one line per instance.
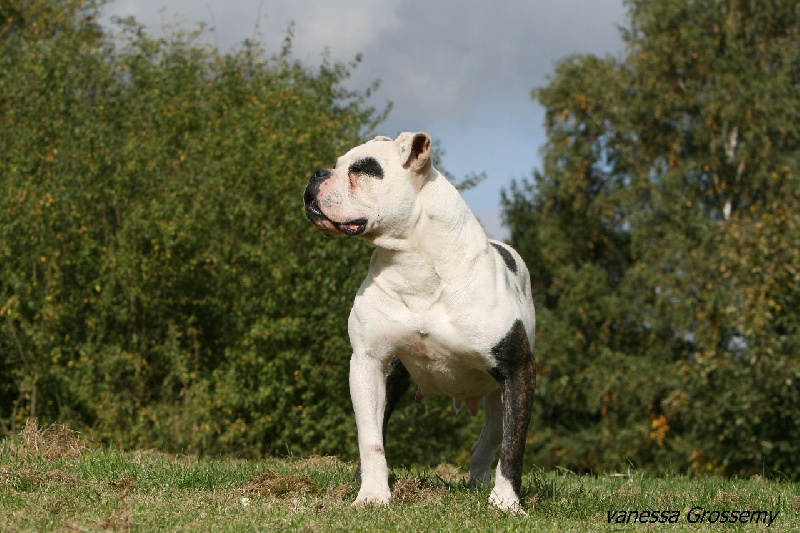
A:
(662, 234)
(160, 285)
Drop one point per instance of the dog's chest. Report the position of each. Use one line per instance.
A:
(441, 323)
(444, 359)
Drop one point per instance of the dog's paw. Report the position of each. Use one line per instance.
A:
(508, 505)
(372, 498)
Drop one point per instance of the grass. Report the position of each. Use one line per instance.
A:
(51, 481)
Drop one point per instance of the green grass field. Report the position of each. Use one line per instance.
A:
(51, 481)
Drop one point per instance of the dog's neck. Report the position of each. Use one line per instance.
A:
(432, 255)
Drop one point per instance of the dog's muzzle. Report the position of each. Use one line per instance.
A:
(320, 219)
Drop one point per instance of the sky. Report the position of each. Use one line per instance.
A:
(462, 70)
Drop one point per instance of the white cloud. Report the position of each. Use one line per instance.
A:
(462, 69)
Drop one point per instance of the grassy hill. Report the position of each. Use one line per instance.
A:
(51, 480)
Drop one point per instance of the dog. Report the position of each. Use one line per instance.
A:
(442, 306)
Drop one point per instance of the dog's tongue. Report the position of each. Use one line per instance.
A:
(352, 227)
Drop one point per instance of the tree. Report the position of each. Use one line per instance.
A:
(160, 284)
(663, 233)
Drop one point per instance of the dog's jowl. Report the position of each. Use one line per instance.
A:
(442, 306)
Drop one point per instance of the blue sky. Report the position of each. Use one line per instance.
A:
(462, 70)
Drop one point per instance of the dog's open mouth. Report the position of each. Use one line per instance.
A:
(351, 227)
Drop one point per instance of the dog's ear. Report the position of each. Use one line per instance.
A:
(415, 152)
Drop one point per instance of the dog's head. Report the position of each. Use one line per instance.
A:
(372, 189)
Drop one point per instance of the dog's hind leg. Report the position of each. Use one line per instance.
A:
(483, 452)
(398, 380)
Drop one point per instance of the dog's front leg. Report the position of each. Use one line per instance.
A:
(517, 405)
(368, 393)
(518, 389)
(516, 371)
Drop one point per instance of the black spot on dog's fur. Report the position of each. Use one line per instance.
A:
(512, 350)
(507, 257)
(367, 166)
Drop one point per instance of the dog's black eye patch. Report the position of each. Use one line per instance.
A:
(368, 166)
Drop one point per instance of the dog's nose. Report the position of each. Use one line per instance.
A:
(320, 175)
(312, 189)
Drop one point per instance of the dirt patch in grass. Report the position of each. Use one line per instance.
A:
(417, 489)
(54, 442)
(21, 476)
(281, 485)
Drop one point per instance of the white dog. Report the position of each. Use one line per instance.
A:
(442, 306)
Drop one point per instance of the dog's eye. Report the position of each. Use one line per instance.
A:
(368, 166)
